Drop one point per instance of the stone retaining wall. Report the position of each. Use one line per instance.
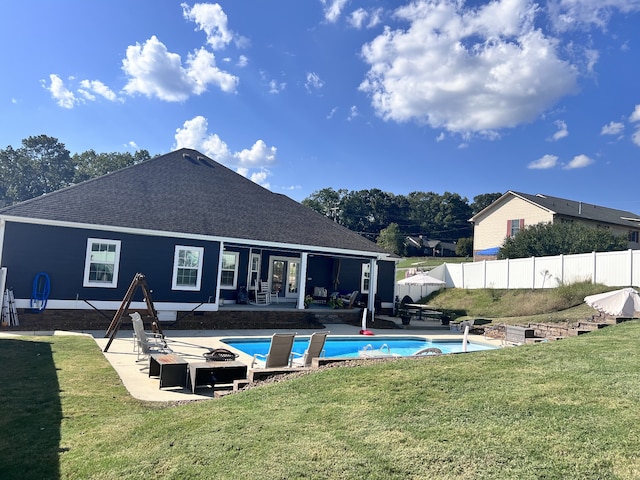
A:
(222, 320)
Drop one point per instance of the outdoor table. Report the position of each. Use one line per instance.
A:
(211, 373)
(422, 309)
(171, 368)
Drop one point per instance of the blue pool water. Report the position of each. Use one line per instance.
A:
(350, 347)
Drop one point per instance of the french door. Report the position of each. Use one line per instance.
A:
(284, 275)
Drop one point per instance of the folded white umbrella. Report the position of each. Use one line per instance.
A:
(421, 279)
(618, 303)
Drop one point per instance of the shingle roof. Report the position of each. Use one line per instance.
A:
(186, 192)
(578, 209)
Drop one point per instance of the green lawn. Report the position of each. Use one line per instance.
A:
(558, 410)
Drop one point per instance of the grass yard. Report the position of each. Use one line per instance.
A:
(559, 410)
(520, 306)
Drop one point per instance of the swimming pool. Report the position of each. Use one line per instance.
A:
(351, 347)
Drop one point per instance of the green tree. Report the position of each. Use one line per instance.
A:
(90, 164)
(369, 211)
(464, 247)
(41, 165)
(480, 202)
(544, 239)
(439, 217)
(392, 239)
(327, 201)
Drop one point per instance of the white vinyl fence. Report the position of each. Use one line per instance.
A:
(416, 292)
(616, 269)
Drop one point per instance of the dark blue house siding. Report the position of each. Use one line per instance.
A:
(386, 281)
(62, 257)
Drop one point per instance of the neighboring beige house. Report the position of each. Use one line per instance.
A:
(514, 210)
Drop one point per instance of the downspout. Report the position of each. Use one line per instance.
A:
(302, 280)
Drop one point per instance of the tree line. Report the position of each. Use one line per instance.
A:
(388, 219)
(42, 164)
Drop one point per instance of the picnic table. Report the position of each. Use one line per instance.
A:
(422, 310)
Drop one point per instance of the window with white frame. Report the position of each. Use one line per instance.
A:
(365, 278)
(229, 271)
(101, 263)
(187, 268)
(255, 269)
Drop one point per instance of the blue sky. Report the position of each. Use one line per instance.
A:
(467, 97)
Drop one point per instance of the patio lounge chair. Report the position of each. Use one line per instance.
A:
(147, 342)
(315, 349)
(279, 352)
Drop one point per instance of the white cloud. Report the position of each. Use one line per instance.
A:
(358, 18)
(333, 9)
(332, 113)
(466, 70)
(212, 20)
(579, 161)
(243, 61)
(635, 116)
(276, 87)
(258, 155)
(133, 145)
(89, 87)
(441, 137)
(562, 131)
(543, 163)
(259, 177)
(613, 128)
(154, 71)
(64, 97)
(194, 134)
(635, 138)
(313, 82)
(353, 113)
(579, 14)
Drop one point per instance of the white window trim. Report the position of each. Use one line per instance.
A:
(252, 257)
(366, 267)
(176, 256)
(235, 272)
(87, 264)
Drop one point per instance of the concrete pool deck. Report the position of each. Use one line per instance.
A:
(191, 344)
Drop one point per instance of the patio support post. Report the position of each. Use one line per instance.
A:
(219, 276)
(373, 284)
(302, 280)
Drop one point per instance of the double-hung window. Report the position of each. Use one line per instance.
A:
(101, 263)
(514, 226)
(187, 268)
(229, 273)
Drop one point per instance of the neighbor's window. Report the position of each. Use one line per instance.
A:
(365, 278)
(514, 226)
(633, 236)
(101, 263)
(229, 274)
(187, 268)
